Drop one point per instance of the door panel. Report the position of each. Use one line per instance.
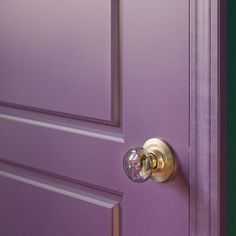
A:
(55, 53)
(148, 94)
(33, 207)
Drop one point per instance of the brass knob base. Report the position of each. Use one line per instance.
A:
(165, 160)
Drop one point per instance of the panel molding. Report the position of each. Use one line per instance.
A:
(73, 194)
(115, 64)
(93, 133)
(30, 172)
(52, 113)
(115, 115)
(90, 194)
(207, 121)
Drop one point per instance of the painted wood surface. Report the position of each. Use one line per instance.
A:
(208, 151)
(62, 211)
(54, 54)
(152, 86)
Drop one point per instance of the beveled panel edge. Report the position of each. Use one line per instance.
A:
(207, 82)
(110, 204)
(73, 188)
(56, 113)
(116, 220)
(111, 136)
(26, 170)
(115, 64)
(78, 195)
(113, 205)
(115, 116)
(57, 184)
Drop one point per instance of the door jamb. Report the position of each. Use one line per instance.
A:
(208, 127)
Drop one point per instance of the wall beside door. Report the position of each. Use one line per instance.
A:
(231, 117)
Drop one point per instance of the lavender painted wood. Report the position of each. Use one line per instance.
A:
(207, 118)
(57, 56)
(154, 87)
(61, 212)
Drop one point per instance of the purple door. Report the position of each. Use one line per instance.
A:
(82, 82)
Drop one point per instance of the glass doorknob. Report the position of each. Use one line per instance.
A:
(154, 160)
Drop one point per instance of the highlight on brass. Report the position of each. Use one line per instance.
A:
(154, 160)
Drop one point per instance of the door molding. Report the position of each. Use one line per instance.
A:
(207, 115)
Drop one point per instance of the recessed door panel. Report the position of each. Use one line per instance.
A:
(59, 56)
(33, 207)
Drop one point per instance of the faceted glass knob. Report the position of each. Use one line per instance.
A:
(153, 160)
(138, 164)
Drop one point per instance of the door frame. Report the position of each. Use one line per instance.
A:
(208, 90)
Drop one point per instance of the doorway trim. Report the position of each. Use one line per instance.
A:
(207, 116)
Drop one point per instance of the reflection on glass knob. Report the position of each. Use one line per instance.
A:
(138, 164)
(154, 160)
